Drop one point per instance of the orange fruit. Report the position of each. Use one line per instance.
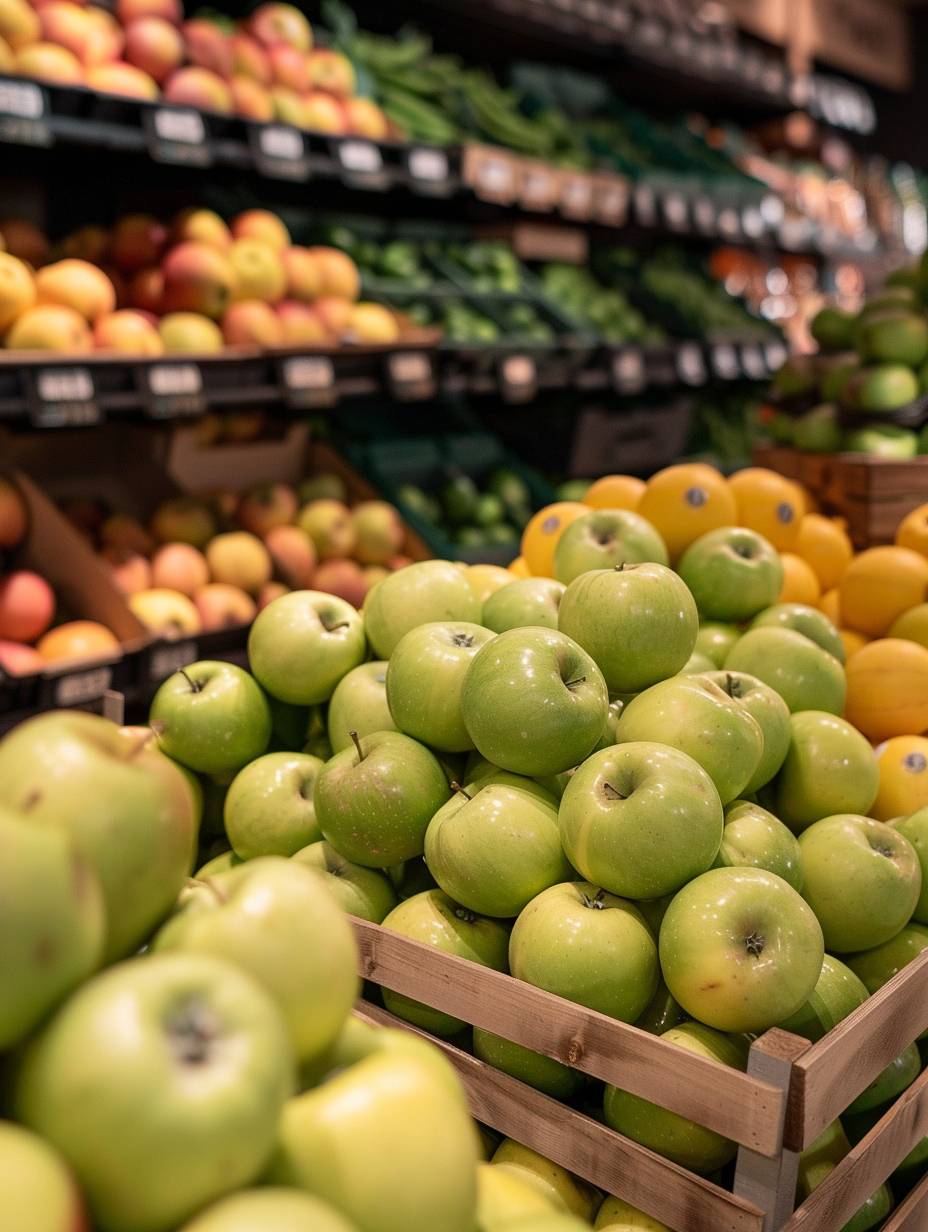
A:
(912, 531)
(887, 689)
(903, 766)
(800, 585)
(852, 642)
(769, 503)
(518, 568)
(539, 539)
(830, 604)
(912, 625)
(686, 501)
(825, 546)
(879, 585)
(615, 492)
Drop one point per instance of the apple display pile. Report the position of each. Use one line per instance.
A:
(193, 285)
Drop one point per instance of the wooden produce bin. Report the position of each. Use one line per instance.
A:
(792, 1089)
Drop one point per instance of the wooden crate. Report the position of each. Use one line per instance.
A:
(792, 1089)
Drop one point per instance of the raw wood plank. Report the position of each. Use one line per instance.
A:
(740, 1107)
(678, 1198)
(869, 1163)
(912, 1214)
(836, 1069)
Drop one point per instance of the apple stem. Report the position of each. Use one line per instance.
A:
(597, 902)
(357, 744)
(569, 684)
(731, 685)
(456, 786)
(612, 793)
(194, 685)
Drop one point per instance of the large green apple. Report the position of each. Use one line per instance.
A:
(733, 573)
(686, 1143)
(915, 829)
(538, 1071)
(805, 676)
(504, 1197)
(364, 892)
(302, 644)
(882, 441)
(534, 702)
(566, 1192)
(39, 1193)
(269, 808)
(900, 1073)
(640, 819)
(639, 623)
(526, 601)
(571, 935)
(425, 678)
(694, 715)
(808, 621)
(492, 848)
(374, 802)
(387, 1144)
(620, 1216)
(715, 640)
(771, 713)
(270, 1210)
(837, 993)
(51, 923)
(754, 838)
(862, 880)
(434, 919)
(267, 916)
(829, 768)
(819, 1160)
(430, 590)
(875, 967)
(211, 717)
(128, 810)
(605, 538)
(359, 704)
(161, 1082)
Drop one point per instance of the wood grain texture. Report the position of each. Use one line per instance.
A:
(836, 1069)
(676, 1197)
(745, 1109)
(912, 1214)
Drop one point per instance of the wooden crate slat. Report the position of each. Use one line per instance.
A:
(836, 1069)
(740, 1107)
(911, 1215)
(869, 1163)
(884, 479)
(676, 1197)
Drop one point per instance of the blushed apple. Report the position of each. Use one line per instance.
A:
(430, 590)
(837, 993)
(526, 601)
(266, 506)
(269, 809)
(754, 838)
(809, 621)
(293, 555)
(733, 573)
(829, 768)
(604, 539)
(302, 644)
(364, 892)
(806, 676)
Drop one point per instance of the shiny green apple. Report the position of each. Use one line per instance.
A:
(837, 993)
(359, 704)
(605, 538)
(39, 1191)
(302, 644)
(538, 1071)
(270, 1210)
(915, 829)
(269, 810)
(211, 717)
(829, 768)
(715, 640)
(568, 1193)
(504, 1197)
(754, 838)
(430, 590)
(526, 601)
(771, 713)
(805, 676)
(365, 892)
(733, 573)
(889, 1084)
(808, 621)
(877, 966)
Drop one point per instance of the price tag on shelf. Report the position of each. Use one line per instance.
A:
(775, 355)
(173, 391)
(309, 382)
(78, 687)
(518, 378)
(675, 211)
(725, 361)
(279, 151)
(411, 376)
(166, 660)
(23, 113)
(610, 200)
(64, 398)
(704, 215)
(753, 362)
(729, 223)
(645, 205)
(540, 188)
(177, 135)
(576, 196)
(491, 173)
(628, 372)
(752, 222)
(429, 171)
(361, 162)
(691, 367)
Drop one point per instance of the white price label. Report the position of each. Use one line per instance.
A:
(628, 369)
(577, 196)
(537, 188)
(704, 214)
(428, 164)
(182, 127)
(311, 372)
(752, 360)
(65, 385)
(645, 205)
(729, 223)
(690, 364)
(675, 211)
(360, 157)
(519, 370)
(22, 99)
(611, 201)
(166, 660)
(752, 222)
(725, 361)
(409, 367)
(174, 380)
(280, 142)
(775, 354)
(80, 687)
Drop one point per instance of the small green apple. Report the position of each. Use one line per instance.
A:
(754, 838)
(770, 712)
(359, 704)
(538, 1071)
(211, 717)
(430, 590)
(809, 621)
(364, 892)
(270, 1210)
(819, 430)
(557, 1221)
(620, 1216)
(733, 573)
(837, 993)
(715, 639)
(526, 601)
(37, 1186)
(882, 441)
(915, 829)
(269, 807)
(889, 1084)
(875, 967)
(504, 1197)
(805, 676)
(829, 768)
(605, 538)
(696, 665)
(218, 864)
(638, 622)
(302, 644)
(566, 1192)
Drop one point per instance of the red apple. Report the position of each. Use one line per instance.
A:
(222, 606)
(269, 592)
(343, 578)
(19, 660)
(181, 567)
(293, 554)
(27, 605)
(281, 23)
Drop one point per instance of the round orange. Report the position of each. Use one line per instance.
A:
(830, 604)
(518, 568)
(879, 585)
(769, 503)
(615, 492)
(912, 625)
(825, 546)
(686, 501)
(539, 539)
(912, 531)
(853, 641)
(78, 639)
(903, 766)
(887, 689)
(800, 585)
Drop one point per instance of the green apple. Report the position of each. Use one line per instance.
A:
(270, 1210)
(714, 640)
(434, 919)
(694, 715)
(829, 768)
(387, 1143)
(882, 441)
(880, 388)
(740, 949)
(267, 916)
(805, 676)
(669, 1134)
(161, 1082)
(302, 644)
(269, 808)
(218, 864)
(504, 1197)
(894, 336)
(809, 621)
(640, 820)
(492, 848)
(359, 704)
(605, 538)
(37, 1186)
(364, 892)
(579, 942)
(211, 717)
(915, 829)
(837, 993)
(639, 623)
(754, 838)
(621, 1216)
(557, 1221)
(769, 711)
(819, 430)
(732, 573)
(696, 665)
(430, 590)
(534, 702)
(51, 923)
(833, 328)
(538, 1071)
(875, 967)
(526, 601)
(129, 812)
(662, 1012)
(566, 1192)
(862, 880)
(899, 1074)
(360, 1040)
(834, 373)
(819, 1160)
(425, 679)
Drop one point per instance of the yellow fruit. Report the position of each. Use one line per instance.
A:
(615, 492)
(912, 625)
(903, 766)
(769, 503)
(879, 585)
(800, 585)
(540, 536)
(485, 579)
(853, 642)
(518, 568)
(887, 689)
(830, 604)
(686, 501)
(912, 531)
(17, 289)
(824, 545)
